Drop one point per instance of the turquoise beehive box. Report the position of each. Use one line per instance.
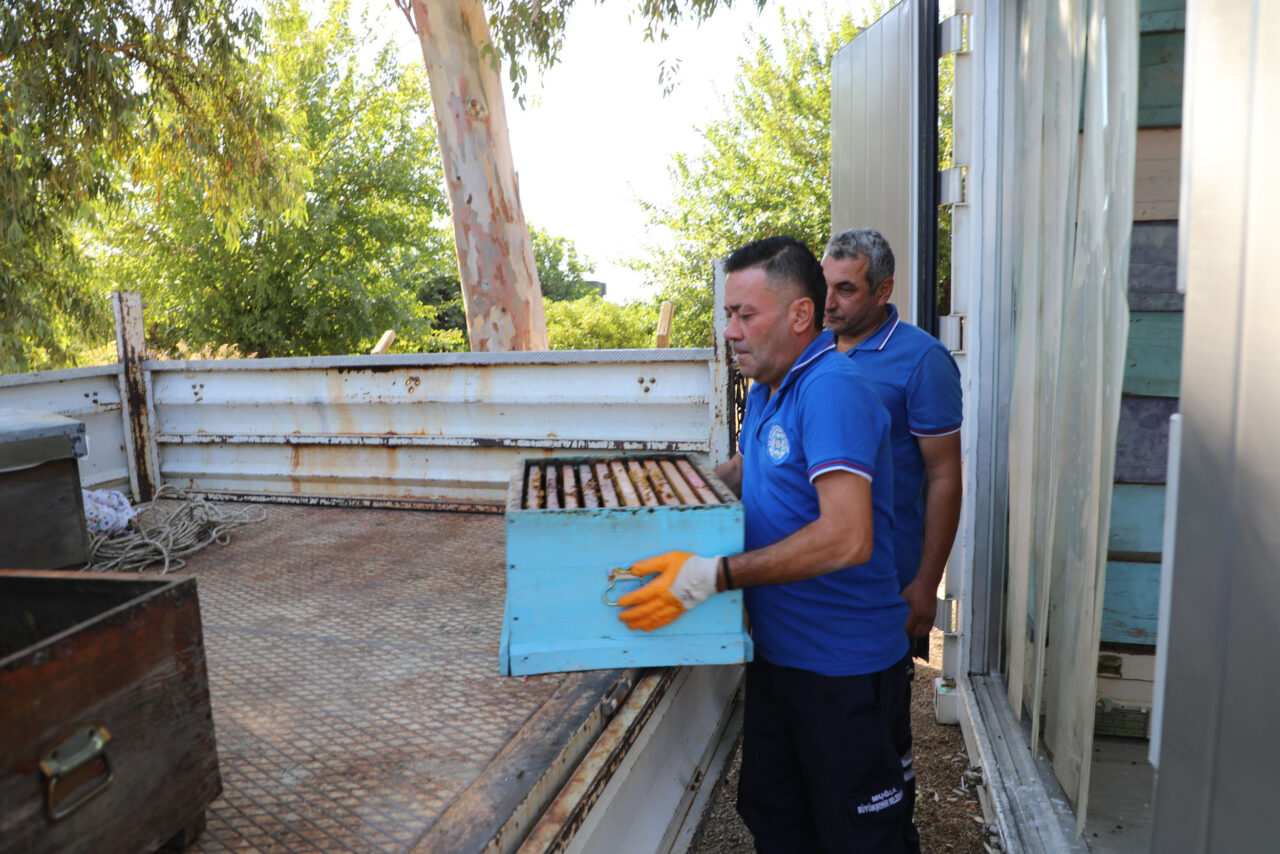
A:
(570, 521)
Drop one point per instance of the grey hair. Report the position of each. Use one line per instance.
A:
(867, 243)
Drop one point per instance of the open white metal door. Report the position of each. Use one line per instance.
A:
(884, 106)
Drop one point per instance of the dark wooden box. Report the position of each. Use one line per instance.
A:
(106, 734)
(41, 508)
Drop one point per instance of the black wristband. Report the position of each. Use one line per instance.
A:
(728, 579)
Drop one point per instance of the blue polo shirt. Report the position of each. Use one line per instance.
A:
(822, 419)
(920, 385)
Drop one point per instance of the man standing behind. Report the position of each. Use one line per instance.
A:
(821, 765)
(920, 385)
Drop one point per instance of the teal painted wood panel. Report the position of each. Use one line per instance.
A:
(1130, 603)
(1153, 358)
(1162, 15)
(1137, 518)
(1160, 71)
(557, 567)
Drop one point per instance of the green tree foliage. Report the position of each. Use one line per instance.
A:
(764, 169)
(535, 30)
(946, 149)
(592, 323)
(374, 236)
(562, 272)
(81, 86)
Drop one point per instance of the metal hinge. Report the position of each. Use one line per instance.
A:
(951, 332)
(952, 35)
(947, 616)
(951, 185)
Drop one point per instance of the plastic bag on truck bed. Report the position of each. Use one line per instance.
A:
(107, 511)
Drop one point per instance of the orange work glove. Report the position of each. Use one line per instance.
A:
(683, 581)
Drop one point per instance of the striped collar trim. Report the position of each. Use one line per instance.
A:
(824, 342)
(892, 324)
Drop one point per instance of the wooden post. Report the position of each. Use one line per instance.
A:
(384, 343)
(131, 348)
(721, 394)
(662, 338)
(500, 288)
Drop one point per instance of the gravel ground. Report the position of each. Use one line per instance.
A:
(947, 811)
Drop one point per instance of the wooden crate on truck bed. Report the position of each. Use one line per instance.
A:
(106, 733)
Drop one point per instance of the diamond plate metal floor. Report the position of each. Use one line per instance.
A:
(353, 668)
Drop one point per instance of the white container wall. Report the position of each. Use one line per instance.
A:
(440, 428)
(90, 395)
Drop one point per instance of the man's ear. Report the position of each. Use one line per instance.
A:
(885, 291)
(800, 314)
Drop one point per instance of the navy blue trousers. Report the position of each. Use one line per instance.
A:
(822, 761)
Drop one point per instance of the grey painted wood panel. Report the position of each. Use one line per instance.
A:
(1142, 440)
(1153, 267)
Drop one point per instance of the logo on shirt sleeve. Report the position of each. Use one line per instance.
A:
(778, 446)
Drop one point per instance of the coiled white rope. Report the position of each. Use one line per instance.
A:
(168, 532)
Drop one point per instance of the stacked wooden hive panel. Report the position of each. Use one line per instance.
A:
(571, 522)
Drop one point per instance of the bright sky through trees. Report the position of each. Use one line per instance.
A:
(598, 132)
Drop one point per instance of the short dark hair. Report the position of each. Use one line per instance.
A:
(784, 260)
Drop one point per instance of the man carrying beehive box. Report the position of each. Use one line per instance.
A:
(919, 383)
(821, 768)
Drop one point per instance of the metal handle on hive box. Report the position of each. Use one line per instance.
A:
(77, 759)
(618, 573)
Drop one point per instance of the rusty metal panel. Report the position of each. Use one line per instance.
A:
(88, 395)
(421, 428)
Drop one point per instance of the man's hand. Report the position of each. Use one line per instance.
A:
(924, 605)
(683, 581)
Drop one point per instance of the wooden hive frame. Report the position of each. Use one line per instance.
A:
(570, 520)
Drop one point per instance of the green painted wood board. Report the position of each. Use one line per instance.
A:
(1153, 358)
(1137, 518)
(1130, 603)
(1162, 15)
(1160, 73)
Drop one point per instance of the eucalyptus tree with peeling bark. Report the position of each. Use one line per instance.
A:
(495, 258)
(500, 286)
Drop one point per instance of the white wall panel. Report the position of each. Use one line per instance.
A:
(1216, 786)
(89, 395)
(873, 99)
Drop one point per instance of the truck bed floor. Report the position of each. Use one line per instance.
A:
(353, 668)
